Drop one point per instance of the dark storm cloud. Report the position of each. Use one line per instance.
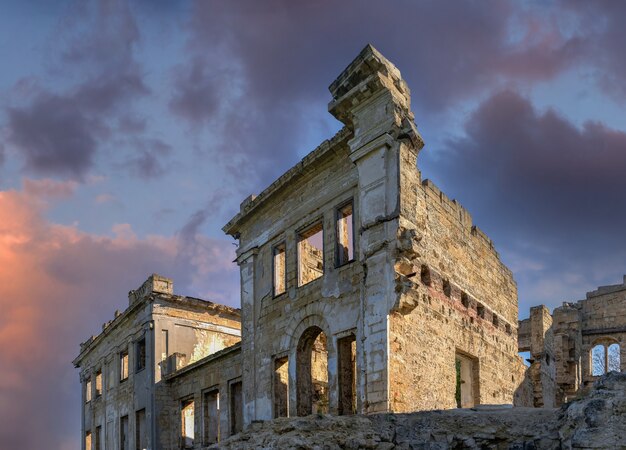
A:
(59, 133)
(148, 158)
(543, 188)
(195, 96)
(602, 24)
(282, 55)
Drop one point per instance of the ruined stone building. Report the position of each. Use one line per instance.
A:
(128, 371)
(570, 348)
(364, 289)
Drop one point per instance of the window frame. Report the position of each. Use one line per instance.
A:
(121, 355)
(98, 393)
(184, 402)
(139, 342)
(338, 209)
(282, 243)
(88, 390)
(299, 232)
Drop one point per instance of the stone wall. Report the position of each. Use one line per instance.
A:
(571, 333)
(408, 335)
(164, 328)
(200, 383)
(455, 297)
(272, 324)
(595, 421)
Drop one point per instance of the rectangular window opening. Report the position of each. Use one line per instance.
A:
(165, 351)
(99, 383)
(88, 440)
(140, 354)
(187, 418)
(88, 391)
(311, 254)
(123, 365)
(279, 257)
(480, 310)
(345, 235)
(98, 440)
(281, 387)
(124, 438)
(211, 417)
(347, 374)
(466, 393)
(141, 438)
(236, 408)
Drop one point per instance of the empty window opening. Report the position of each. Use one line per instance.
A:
(447, 290)
(464, 299)
(466, 393)
(140, 354)
(311, 254)
(598, 357)
(236, 408)
(187, 425)
(110, 435)
(526, 358)
(425, 275)
(312, 373)
(507, 327)
(605, 357)
(98, 439)
(345, 235)
(88, 391)
(124, 365)
(211, 417)
(495, 321)
(124, 438)
(165, 344)
(613, 361)
(480, 310)
(279, 269)
(88, 440)
(99, 383)
(281, 387)
(346, 348)
(141, 437)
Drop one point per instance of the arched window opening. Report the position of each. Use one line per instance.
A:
(312, 373)
(598, 361)
(605, 357)
(613, 361)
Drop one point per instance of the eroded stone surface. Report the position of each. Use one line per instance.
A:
(597, 420)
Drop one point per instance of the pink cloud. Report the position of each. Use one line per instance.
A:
(58, 285)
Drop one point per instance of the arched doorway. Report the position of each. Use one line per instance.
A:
(312, 372)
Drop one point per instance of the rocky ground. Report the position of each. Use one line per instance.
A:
(595, 421)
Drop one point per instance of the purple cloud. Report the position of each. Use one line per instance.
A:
(537, 183)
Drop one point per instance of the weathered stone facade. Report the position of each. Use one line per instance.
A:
(364, 289)
(424, 301)
(124, 370)
(562, 345)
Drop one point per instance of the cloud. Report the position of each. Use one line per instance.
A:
(255, 76)
(48, 188)
(59, 285)
(601, 25)
(543, 188)
(147, 159)
(58, 132)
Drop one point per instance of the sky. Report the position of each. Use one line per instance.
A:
(131, 131)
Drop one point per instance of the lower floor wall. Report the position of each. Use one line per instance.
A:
(442, 355)
(201, 404)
